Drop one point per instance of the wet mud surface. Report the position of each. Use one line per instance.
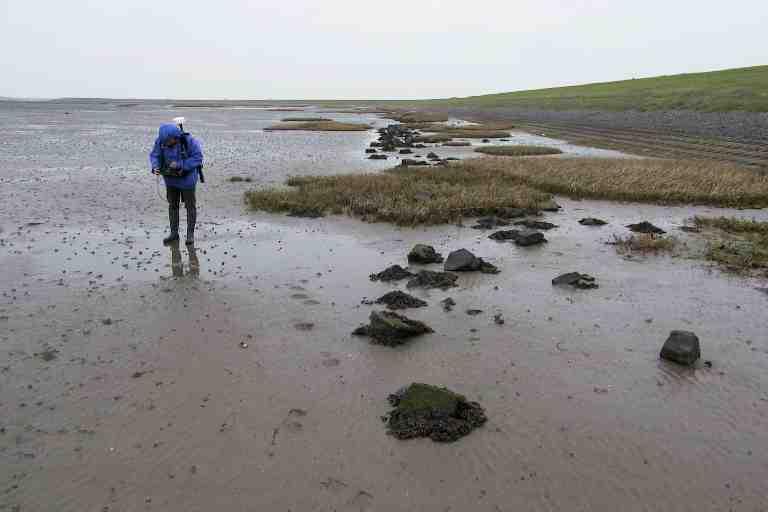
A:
(140, 377)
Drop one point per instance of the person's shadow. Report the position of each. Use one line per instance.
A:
(177, 263)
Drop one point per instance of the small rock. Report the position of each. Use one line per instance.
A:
(432, 156)
(575, 279)
(498, 319)
(371, 151)
(107, 321)
(592, 221)
(645, 227)
(448, 304)
(681, 347)
(474, 312)
(304, 326)
(406, 151)
(464, 261)
(378, 157)
(391, 329)
(424, 254)
(523, 238)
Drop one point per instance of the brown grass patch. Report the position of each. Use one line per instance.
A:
(407, 196)
(642, 180)
(489, 126)
(320, 126)
(518, 150)
(643, 243)
(432, 139)
(461, 133)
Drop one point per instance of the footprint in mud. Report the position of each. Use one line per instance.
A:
(290, 424)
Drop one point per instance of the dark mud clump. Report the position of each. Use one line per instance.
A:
(400, 300)
(422, 410)
(393, 273)
(577, 280)
(307, 213)
(536, 224)
(646, 228)
(424, 254)
(391, 329)
(430, 279)
(448, 304)
(48, 355)
(592, 221)
(490, 223)
(464, 261)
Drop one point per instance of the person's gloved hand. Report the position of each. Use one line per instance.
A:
(174, 165)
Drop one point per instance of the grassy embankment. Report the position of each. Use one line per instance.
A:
(484, 186)
(742, 89)
(320, 126)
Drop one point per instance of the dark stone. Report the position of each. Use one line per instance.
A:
(474, 312)
(400, 300)
(377, 157)
(645, 227)
(575, 279)
(536, 224)
(681, 347)
(486, 140)
(424, 254)
(591, 221)
(432, 156)
(393, 273)
(448, 304)
(422, 410)
(370, 151)
(464, 261)
(406, 151)
(375, 144)
(429, 279)
(490, 223)
(391, 329)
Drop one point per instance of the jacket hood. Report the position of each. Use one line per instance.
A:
(167, 131)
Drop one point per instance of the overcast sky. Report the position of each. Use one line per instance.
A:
(288, 49)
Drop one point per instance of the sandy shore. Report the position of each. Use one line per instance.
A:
(132, 382)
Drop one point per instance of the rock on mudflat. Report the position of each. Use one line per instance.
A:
(422, 410)
(645, 227)
(523, 238)
(378, 156)
(424, 254)
(464, 261)
(536, 224)
(448, 304)
(391, 329)
(400, 300)
(393, 273)
(681, 347)
(575, 279)
(592, 221)
(430, 279)
(371, 151)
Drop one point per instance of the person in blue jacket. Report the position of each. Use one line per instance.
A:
(178, 157)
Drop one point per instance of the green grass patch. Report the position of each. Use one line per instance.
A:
(404, 196)
(518, 150)
(320, 126)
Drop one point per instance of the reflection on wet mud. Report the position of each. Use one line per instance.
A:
(177, 263)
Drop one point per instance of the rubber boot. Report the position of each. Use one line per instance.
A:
(173, 216)
(191, 220)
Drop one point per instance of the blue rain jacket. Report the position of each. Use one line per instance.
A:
(189, 163)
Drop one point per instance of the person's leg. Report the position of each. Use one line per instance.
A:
(191, 206)
(174, 196)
